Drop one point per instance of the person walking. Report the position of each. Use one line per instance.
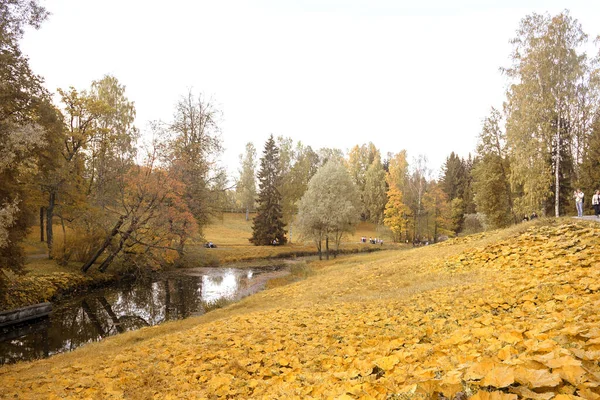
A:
(596, 203)
(579, 202)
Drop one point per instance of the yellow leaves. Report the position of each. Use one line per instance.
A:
(571, 373)
(387, 363)
(521, 325)
(481, 395)
(511, 337)
(499, 377)
(535, 378)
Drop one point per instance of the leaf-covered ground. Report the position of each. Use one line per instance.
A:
(486, 317)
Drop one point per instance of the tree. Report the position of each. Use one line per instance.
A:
(268, 225)
(360, 159)
(547, 68)
(66, 185)
(438, 211)
(396, 214)
(453, 178)
(590, 167)
(22, 137)
(194, 147)
(306, 163)
(493, 195)
(246, 185)
(416, 189)
(375, 196)
(111, 152)
(329, 208)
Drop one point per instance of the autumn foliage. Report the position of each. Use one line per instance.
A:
(500, 319)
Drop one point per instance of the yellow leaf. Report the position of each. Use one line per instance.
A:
(571, 373)
(387, 363)
(535, 378)
(499, 377)
(481, 395)
(511, 337)
(525, 393)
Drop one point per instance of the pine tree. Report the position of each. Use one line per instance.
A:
(268, 223)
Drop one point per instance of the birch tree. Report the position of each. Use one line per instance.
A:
(542, 106)
(246, 185)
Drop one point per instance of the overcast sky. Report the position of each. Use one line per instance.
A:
(418, 76)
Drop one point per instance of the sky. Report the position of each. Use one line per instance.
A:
(419, 76)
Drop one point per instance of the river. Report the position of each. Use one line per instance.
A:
(117, 309)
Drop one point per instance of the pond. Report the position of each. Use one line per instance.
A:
(110, 311)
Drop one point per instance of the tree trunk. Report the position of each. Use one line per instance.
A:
(319, 247)
(49, 217)
(42, 215)
(112, 255)
(327, 247)
(557, 168)
(106, 243)
(247, 213)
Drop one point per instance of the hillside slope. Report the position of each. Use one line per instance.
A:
(510, 314)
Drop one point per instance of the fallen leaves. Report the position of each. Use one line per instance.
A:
(528, 328)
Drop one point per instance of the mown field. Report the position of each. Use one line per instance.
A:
(501, 315)
(231, 233)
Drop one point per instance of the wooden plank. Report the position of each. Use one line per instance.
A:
(23, 314)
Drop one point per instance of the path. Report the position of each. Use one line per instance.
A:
(589, 218)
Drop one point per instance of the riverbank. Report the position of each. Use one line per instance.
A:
(507, 314)
(46, 280)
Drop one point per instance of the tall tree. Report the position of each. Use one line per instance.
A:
(453, 178)
(547, 67)
(329, 208)
(416, 189)
(360, 159)
(22, 137)
(195, 146)
(111, 152)
(306, 163)
(246, 185)
(396, 214)
(268, 226)
(493, 194)
(438, 211)
(590, 167)
(375, 196)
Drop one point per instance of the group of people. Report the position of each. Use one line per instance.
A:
(371, 240)
(531, 217)
(579, 200)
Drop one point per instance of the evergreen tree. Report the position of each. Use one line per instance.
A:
(493, 194)
(589, 178)
(453, 179)
(268, 223)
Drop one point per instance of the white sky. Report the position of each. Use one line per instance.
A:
(418, 76)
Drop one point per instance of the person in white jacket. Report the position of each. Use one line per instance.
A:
(578, 196)
(596, 203)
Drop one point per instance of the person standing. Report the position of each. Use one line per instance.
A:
(579, 202)
(596, 203)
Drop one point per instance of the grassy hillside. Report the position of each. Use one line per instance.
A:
(502, 315)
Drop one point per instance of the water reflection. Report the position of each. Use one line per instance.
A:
(108, 312)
